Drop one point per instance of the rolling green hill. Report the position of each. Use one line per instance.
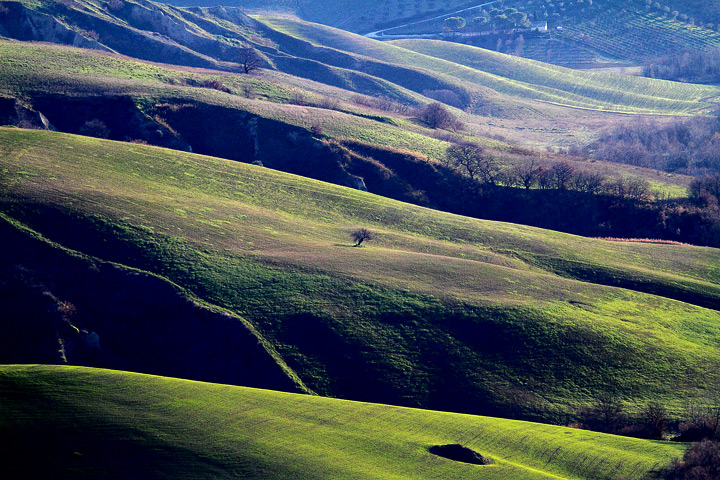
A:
(440, 311)
(591, 33)
(184, 108)
(635, 92)
(214, 38)
(80, 423)
(516, 77)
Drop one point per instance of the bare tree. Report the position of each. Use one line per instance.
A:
(606, 415)
(656, 417)
(563, 172)
(249, 59)
(469, 158)
(526, 175)
(464, 156)
(360, 235)
(703, 415)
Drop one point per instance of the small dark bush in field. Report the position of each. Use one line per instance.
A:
(215, 84)
(297, 98)
(360, 235)
(380, 103)
(248, 92)
(92, 34)
(95, 128)
(460, 453)
(316, 129)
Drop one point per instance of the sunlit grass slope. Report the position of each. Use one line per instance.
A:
(81, 423)
(31, 70)
(439, 311)
(40, 71)
(636, 92)
(515, 76)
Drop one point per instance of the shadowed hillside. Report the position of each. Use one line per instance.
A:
(439, 311)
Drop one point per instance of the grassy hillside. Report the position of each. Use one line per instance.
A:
(345, 14)
(215, 37)
(517, 77)
(439, 311)
(52, 84)
(210, 112)
(78, 423)
(593, 33)
(636, 92)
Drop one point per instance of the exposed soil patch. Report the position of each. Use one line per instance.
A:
(460, 453)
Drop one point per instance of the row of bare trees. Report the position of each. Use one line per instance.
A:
(484, 167)
(701, 417)
(691, 146)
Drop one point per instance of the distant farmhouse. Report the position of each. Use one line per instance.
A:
(540, 27)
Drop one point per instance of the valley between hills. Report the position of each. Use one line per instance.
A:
(242, 240)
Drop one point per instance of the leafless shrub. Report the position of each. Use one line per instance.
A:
(700, 462)
(316, 129)
(360, 235)
(298, 98)
(93, 35)
(329, 103)
(248, 91)
(380, 103)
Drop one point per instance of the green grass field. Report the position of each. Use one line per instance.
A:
(29, 71)
(80, 423)
(635, 92)
(508, 310)
(516, 77)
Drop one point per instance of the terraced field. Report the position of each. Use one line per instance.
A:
(86, 423)
(626, 34)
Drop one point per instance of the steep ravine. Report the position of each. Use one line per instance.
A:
(62, 307)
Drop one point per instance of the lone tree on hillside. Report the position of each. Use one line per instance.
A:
(360, 235)
(249, 59)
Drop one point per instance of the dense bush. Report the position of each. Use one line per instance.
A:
(436, 115)
(700, 462)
